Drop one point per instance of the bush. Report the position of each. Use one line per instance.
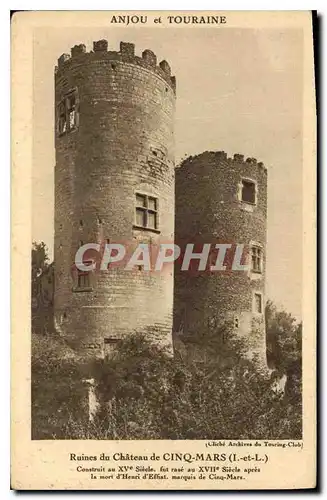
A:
(57, 389)
(144, 393)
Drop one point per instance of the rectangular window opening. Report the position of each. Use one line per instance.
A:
(68, 113)
(256, 259)
(83, 280)
(83, 277)
(110, 345)
(248, 191)
(146, 211)
(258, 303)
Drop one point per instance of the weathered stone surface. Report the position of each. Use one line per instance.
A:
(125, 110)
(208, 210)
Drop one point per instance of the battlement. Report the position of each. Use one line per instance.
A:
(126, 54)
(208, 156)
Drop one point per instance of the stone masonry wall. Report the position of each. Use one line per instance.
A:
(209, 210)
(123, 144)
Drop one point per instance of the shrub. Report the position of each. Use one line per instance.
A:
(57, 388)
(145, 393)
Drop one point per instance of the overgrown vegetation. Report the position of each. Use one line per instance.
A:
(40, 262)
(284, 349)
(58, 396)
(144, 393)
(42, 303)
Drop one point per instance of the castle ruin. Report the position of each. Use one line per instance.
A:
(115, 182)
(221, 200)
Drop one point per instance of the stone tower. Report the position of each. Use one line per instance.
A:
(114, 183)
(223, 200)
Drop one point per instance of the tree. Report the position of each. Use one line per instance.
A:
(40, 262)
(40, 258)
(284, 337)
(284, 347)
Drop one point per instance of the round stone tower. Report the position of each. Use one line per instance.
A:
(222, 201)
(114, 183)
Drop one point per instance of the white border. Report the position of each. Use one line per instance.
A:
(5, 176)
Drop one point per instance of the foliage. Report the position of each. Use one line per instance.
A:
(207, 390)
(40, 259)
(42, 303)
(284, 342)
(149, 395)
(57, 390)
(145, 393)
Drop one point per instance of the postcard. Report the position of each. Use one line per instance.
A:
(163, 251)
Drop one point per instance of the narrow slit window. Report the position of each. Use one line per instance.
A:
(248, 191)
(258, 303)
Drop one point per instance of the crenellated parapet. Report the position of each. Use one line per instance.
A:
(222, 156)
(126, 54)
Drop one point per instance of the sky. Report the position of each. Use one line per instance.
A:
(238, 90)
